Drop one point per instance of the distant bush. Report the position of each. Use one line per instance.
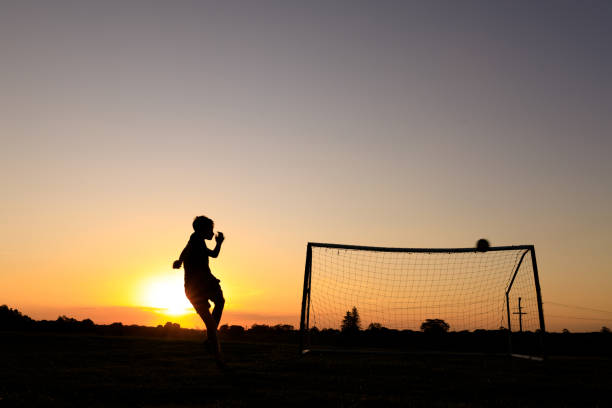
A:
(260, 329)
(375, 326)
(232, 331)
(172, 326)
(434, 326)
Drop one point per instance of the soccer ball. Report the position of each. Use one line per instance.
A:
(482, 245)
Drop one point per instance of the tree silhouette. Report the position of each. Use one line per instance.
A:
(351, 322)
(13, 319)
(605, 329)
(434, 326)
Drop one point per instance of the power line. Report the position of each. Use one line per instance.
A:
(577, 307)
(580, 318)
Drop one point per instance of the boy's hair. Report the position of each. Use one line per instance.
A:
(201, 223)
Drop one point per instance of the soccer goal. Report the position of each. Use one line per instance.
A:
(483, 300)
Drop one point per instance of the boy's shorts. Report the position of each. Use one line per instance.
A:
(200, 294)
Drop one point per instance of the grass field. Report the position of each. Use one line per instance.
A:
(79, 370)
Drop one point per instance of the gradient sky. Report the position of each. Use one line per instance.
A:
(410, 124)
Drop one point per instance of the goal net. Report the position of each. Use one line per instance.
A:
(487, 297)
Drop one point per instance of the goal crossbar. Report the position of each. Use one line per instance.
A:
(417, 250)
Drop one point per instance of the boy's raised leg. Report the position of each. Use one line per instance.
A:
(219, 302)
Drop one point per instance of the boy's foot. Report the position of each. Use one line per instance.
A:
(209, 346)
(220, 363)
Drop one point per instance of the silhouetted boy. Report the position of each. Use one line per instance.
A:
(200, 284)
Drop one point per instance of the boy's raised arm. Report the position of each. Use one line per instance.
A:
(219, 238)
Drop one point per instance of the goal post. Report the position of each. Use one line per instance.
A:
(420, 299)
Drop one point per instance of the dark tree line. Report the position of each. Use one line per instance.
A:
(434, 333)
(13, 319)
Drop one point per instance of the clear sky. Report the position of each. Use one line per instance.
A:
(411, 124)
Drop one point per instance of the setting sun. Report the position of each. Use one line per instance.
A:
(166, 293)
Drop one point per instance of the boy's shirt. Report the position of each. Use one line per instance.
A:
(195, 262)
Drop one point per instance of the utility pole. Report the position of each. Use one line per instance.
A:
(520, 313)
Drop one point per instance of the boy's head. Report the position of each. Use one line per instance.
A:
(203, 225)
